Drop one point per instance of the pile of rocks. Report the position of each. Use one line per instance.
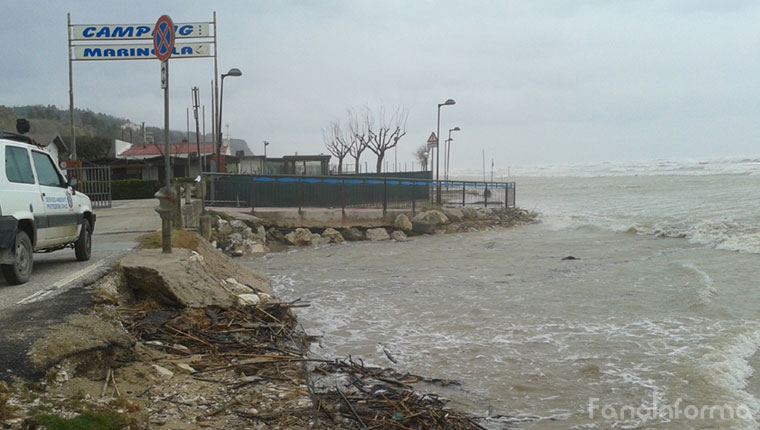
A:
(237, 238)
(251, 237)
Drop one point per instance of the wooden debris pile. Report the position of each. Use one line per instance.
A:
(381, 398)
(224, 338)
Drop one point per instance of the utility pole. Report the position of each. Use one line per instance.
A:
(196, 104)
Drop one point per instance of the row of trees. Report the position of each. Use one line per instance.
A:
(365, 129)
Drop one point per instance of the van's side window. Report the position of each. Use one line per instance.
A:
(46, 172)
(17, 165)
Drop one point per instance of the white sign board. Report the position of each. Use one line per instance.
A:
(137, 51)
(105, 32)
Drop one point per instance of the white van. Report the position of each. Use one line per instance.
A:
(39, 210)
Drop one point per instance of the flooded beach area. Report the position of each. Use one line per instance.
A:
(651, 322)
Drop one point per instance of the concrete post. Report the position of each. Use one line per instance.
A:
(167, 203)
(205, 226)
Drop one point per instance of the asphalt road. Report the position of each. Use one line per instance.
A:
(116, 230)
(58, 285)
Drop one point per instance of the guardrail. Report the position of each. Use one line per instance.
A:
(352, 192)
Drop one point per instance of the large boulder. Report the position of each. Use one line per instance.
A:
(252, 247)
(377, 234)
(353, 234)
(224, 228)
(454, 214)
(402, 223)
(433, 216)
(484, 213)
(399, 236)
(333, 235)
(173, 279)
(423, 227)
(238, 225)
(299, 237)
(470, 213)
(275, 235)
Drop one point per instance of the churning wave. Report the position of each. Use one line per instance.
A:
(738, 236)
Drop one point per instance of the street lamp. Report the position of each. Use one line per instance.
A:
(232, 72)
(265, 148)
(448, 150)
(448, 102)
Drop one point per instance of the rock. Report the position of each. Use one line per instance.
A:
(402, 223)
(484, 213)
(163, 372)
(61, 376)
(235, 237)
(236, 287)
(353, 234)
(454, 214)
(172, 280)
(249, 299)
(251, 247)
(224, 228)
(399, 236)
(264, 297)
(570, 257)
(238, 225)
(470, 213)
(432, 216)
(80, 334)
(333, 235)
(185, 368)
(299, 237)
(315, 237)
(216, 220)
(322, 241)
(377, 234)
(423, 227)
(196, 258)
(246, 233)
(275, 235)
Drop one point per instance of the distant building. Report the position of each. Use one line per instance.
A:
(137, 161)
(308, 165)
(54, 144)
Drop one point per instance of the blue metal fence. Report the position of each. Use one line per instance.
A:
(353, 192)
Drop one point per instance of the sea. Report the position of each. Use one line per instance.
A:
(652, 323)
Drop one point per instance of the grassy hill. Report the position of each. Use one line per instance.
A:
(50, 119)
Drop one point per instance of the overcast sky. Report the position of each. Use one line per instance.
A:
(535, 82)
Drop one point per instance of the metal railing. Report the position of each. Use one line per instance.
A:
(352, 192)
(95, 182)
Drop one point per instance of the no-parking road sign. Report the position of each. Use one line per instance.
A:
(163, 38)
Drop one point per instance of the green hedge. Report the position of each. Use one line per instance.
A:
(128, 189)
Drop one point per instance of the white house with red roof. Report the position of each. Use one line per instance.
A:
(146, 161)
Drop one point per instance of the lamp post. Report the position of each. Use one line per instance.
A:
(448, 102)
(448, 150)
(265, 148)
(232, 72)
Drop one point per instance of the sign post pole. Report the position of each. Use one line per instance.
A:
(163, 44)
(167, 148)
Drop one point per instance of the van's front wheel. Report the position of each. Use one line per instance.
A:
(21, 270)
(83, 246)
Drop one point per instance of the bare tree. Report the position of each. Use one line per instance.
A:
(387, 133)
(359, 137)
(421, 154)
(337, 142)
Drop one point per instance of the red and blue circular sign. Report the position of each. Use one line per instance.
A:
(163, 38)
